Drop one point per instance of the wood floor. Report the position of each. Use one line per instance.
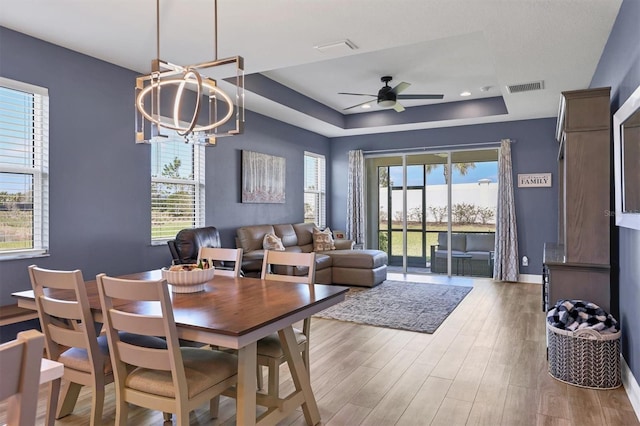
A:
(485, 365)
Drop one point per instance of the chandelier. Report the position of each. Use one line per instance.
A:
(186, 100)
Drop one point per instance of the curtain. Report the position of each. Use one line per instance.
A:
(355, 197)
(505, 267)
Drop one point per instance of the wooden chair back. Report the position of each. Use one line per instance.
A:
(20, 371)
(65, 323)
(216, 254)
(292, 259)
(71, 339)
(158, 321)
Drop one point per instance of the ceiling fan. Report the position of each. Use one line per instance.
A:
(388, 97)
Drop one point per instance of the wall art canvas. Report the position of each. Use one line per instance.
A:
(263, 178)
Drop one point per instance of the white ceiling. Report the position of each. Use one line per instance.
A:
(439, 46)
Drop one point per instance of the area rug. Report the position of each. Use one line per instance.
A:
(398, 304)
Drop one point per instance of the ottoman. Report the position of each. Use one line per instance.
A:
(365, 268)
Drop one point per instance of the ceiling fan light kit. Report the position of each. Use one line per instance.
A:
(388, 96)
(190, 83)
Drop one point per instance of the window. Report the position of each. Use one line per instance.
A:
(24, 169)
(177, 187)
(315, 208)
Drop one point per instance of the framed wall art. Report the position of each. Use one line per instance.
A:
(263, 178)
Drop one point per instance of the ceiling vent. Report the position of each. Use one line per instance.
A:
(337, 46)
(526, 87)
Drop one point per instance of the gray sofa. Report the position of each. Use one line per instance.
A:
(343, 266)
(476, 250)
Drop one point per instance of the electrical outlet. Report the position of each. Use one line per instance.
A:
(525, 261)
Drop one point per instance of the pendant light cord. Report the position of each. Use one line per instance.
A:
(158, 29)
(215, 30)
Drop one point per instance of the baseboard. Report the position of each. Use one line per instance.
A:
(530, 278)
(630, 386)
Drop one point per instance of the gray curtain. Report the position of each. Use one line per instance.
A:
(355, 197)
(505, 267)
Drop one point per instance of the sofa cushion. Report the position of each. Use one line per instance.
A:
(323, 240)
(304, 232)
(358, 259)
(272, 242)
(323, 261)
(458, 241)
(286, 234)
(250, 237)
(480, 242)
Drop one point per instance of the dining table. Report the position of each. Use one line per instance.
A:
(236, 312)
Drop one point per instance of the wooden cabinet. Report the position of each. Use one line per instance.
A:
(578, 265)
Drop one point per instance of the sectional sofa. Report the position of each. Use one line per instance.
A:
(340, 266)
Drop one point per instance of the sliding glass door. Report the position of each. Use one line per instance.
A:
(418, 201)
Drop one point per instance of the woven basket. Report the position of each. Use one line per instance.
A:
(584, 358)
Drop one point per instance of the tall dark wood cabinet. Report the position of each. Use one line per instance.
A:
(577, 266)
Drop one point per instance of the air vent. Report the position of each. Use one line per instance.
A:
(526, 87)
(337, 46)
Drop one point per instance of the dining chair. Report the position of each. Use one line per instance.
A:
(20, 371)
(71, 338)
(216, 255)
(174, 379)
(269, 351)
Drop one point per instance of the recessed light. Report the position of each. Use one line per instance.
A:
(465, 93)
(366, 106)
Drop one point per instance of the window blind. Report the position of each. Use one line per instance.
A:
(314, 189)
(177, 187)
(24, 168)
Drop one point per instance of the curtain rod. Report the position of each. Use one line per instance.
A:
(434, 148)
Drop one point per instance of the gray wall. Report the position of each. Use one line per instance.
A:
(619, 68)
(534, 151)
(100, 179)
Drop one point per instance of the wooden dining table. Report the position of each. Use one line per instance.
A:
(235, 313)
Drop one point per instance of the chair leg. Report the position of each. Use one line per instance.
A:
(260, 379)
(274, 379)
(97, 403)
(122, 412)
(214, 405)
(52, 404)
(305, 359)
(182, 417)
(69, 396)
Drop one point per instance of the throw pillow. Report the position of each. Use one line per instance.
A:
(272, 242)
(323, 240)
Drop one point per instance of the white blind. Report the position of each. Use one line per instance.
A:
(315, 189)
(177, 187)
(24, 168)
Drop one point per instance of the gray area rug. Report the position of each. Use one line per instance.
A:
(397, 304)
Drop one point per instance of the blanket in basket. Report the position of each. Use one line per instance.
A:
(574, 315)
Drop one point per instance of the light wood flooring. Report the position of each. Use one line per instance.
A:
(485, 365)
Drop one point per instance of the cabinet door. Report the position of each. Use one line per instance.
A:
(586, 197)
(581, 283)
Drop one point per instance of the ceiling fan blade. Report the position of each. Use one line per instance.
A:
(363, 103)
(420, 97)
(401, 87)
(357, 94)
(398, 107)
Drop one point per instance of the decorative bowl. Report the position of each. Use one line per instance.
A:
(188, 281)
